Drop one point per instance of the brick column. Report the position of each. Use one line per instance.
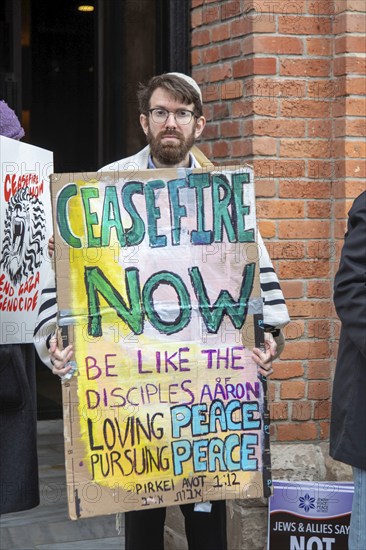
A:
(266, 69)
(349, 110)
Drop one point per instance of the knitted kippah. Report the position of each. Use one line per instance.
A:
(189, 81)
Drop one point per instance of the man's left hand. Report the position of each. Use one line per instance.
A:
(264, 358)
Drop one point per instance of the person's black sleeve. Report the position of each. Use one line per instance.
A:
(350, 280)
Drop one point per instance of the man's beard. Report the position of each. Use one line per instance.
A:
(170, 154)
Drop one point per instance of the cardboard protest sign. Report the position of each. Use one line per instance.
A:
(25, 226)
(309, 515)
(158, 289)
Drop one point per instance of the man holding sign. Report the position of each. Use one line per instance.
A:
(172, 119)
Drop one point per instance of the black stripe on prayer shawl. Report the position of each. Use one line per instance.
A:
(48, 304)
(273, 285)
(48, 290)
(48, 339)
(43, 322)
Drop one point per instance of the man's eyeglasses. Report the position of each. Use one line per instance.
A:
(182, 116)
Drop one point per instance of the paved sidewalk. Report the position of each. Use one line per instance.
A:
(47, 527)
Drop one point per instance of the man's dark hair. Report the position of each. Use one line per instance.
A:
(177, 87)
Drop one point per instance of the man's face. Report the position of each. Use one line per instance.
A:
(170, 141)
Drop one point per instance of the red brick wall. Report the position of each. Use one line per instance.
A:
(283, 83)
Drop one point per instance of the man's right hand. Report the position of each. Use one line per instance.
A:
(60, 358)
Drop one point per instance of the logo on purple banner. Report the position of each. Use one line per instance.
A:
(309, 515)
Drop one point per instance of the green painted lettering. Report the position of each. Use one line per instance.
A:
(111, 217)
(184, 302)
(241, 210)
(153, 213)
(177, 211)
(97, 283)
(91, 218)
(225, 304)
(63, 217)
(136, 233)
(199, 182)
(221, 204)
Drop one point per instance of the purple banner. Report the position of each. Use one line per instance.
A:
(309, 515)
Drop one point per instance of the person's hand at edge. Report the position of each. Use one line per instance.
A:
(51, 246)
